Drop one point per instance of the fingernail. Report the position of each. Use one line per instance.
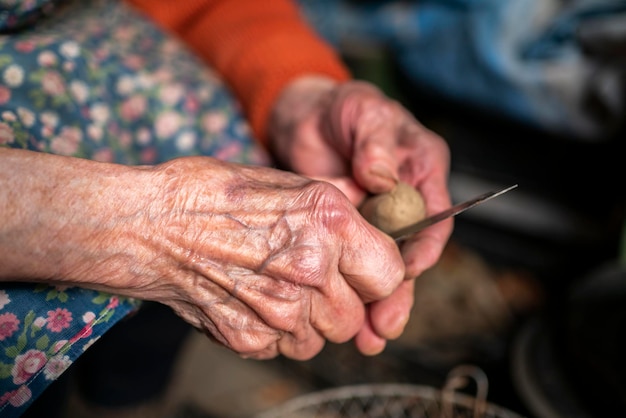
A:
(381, 171)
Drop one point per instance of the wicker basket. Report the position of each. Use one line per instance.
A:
(396, 401)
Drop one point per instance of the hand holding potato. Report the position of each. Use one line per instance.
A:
(393, 210)
(355, 137)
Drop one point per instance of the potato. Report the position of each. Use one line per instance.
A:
(394, 210)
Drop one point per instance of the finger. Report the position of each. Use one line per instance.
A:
(268, 353)
(361, 119)
(375, 135)
(238, 328)
(422, 251)
(212, 306)
(389, 316)
(301, 292)
(337, 311)
(368, 342)
(302, 346)
(371, 262)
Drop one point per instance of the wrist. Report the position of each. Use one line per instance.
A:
(59, 215)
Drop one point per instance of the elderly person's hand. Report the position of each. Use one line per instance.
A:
(354, 136)
(264, 261)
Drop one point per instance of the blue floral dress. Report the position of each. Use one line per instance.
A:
(94, 79)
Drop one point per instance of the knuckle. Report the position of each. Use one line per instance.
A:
(250, 343)
(388, 280)
(330, 205)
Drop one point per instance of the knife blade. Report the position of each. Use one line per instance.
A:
(403, 233)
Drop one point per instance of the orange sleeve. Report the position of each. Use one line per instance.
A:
(256, 46)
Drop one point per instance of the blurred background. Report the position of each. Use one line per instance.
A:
(532, 287)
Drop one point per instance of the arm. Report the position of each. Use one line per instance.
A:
(257, 46)
(264, 261)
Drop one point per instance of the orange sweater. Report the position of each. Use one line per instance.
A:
(257, 46)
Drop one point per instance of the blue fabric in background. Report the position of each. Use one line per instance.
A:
(543, 62)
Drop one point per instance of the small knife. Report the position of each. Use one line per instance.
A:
(407, 231)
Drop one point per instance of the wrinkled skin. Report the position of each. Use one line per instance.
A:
(264, 261)
(355, 137)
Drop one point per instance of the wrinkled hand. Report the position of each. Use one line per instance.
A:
(262, 260)
(352, 135)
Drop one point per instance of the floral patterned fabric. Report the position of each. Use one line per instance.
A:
(94, 79)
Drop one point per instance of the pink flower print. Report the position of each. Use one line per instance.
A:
(52, 83)
(214, 122)
(6, 134)
(125, 85)
(6, 396)
(95, 132)
(88, 317)
(163, 75)
(229, 152)
(47, 131)
(39, 322)
(8, 325)
(103, 155)
(171, 94)
(56, 366)
(124, 33)
(80, 91)
(134, 62)
(25, 46)
(26, 117)
(58, 345)
(133, 108)
(113, 302)
(70, 49)
(85, 332)
(9, 116)
(59, 319)
(49, 119)
(69, 66)
(13, 76)
(102, 54)
(100, 113)
(148, 155)
(90, 343)
(47, 59)
(143, 136)
(21, 396)
(4, 299)
(167, 124)
(5, 94)
(67, 142)
(17, 397)
(170, 47)
(192, 104)
(186, 141)
(125, 139)
(26, 365)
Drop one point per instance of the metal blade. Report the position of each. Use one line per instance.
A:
(407, 231)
